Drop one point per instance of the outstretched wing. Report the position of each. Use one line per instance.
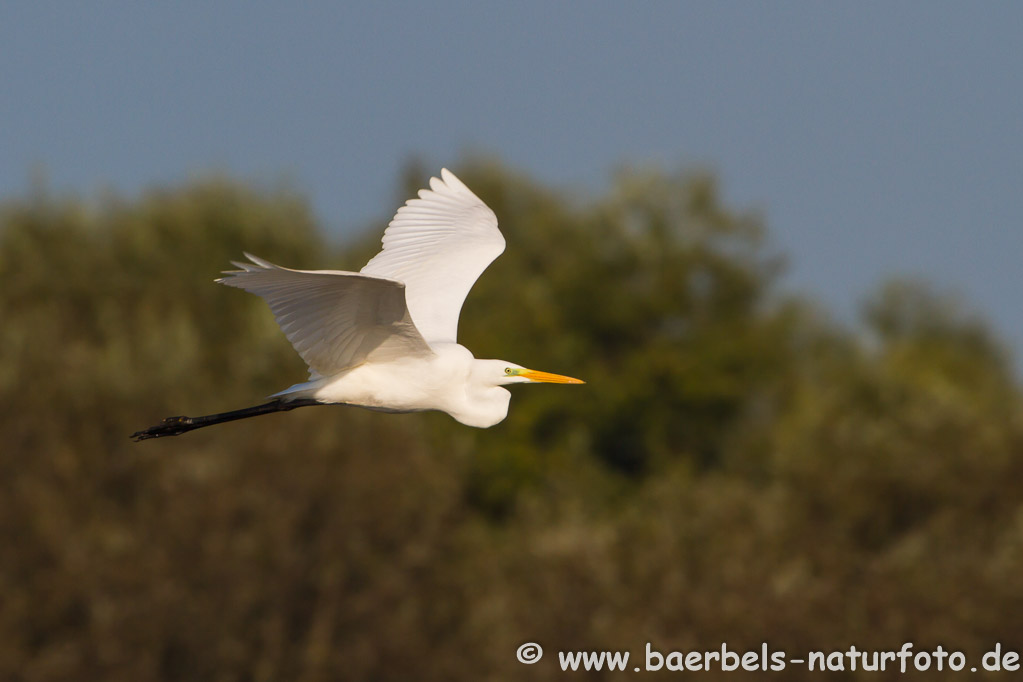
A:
(438, 245)
(334, 319)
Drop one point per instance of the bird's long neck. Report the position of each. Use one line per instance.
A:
(484, 407)
(175, 426)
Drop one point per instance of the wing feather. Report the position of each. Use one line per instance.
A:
(438, 245)
(334, 319)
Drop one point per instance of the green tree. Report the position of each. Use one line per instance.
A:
(738, 469)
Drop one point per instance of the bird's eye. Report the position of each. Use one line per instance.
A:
(507, 370)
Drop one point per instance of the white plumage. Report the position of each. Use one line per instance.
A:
(438, 245)
(334, 319)
(385, 338)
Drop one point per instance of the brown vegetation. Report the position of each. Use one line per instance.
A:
(738, 469)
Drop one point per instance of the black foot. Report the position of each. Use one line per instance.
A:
(171, 426)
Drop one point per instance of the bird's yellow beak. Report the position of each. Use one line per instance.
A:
(547, 377)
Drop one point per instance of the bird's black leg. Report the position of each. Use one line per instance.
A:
(175, 426)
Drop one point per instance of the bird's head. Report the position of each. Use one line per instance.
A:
(487, 399)
(500, 373)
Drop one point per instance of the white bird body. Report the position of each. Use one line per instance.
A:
(440, 381)
(385, 338)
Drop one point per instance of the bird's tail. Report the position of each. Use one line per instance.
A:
(175, 426)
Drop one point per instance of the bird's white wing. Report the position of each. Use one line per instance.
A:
(438, 245)
(334, 319)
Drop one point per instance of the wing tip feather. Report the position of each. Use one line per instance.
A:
(265, 264)
(451, 180)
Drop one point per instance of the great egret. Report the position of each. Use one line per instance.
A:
(384, 338)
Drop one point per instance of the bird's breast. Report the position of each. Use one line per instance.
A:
(400, 386)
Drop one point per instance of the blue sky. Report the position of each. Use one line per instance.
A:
(876, 138)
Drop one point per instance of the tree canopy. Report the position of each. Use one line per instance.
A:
(739, 467)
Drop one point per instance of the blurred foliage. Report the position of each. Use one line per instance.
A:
(739, 468)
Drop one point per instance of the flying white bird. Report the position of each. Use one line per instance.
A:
(384, 337)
